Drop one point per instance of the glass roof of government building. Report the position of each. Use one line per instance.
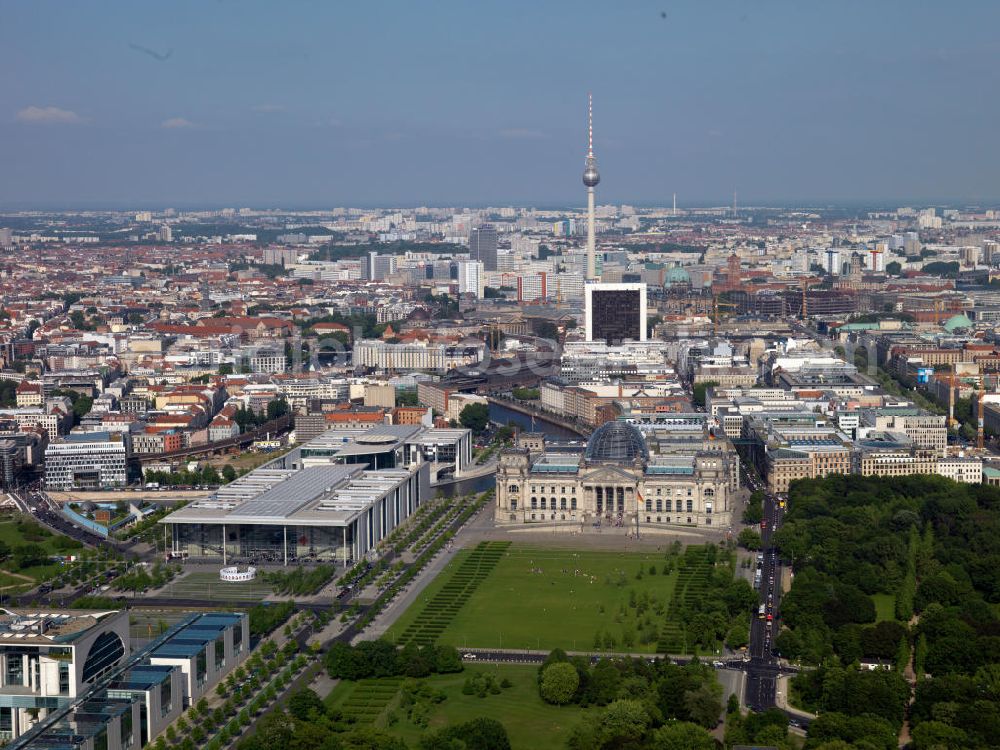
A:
(619, 442)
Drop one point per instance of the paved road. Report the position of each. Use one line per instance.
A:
(762, 671)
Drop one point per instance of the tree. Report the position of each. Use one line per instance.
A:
(936, 735)
(274, 732)
(559, 683)
(941, 268)
(277, 408)
(228, 473)
(367, 738)
(698, 392)
(226, 368)
(475, 417)
(893, 268)
(604, 684)
(703, 705)
(750, 539)
(303, 703)
(82, 407)
(478, 734)
(681, 735)
(446, 659)
(30, 555)
(623, 724)
(546, 329)
(753, 514)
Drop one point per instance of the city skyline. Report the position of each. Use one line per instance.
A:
(786, 105)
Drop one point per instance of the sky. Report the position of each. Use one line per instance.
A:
(473, 102)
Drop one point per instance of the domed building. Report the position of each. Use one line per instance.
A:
(676, 277)
(616, 442)
(617, 480)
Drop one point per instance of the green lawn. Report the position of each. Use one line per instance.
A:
(11, 584)
(885, 607)
(530, 722)
(537, 598)
(14, 538)
(207, 586)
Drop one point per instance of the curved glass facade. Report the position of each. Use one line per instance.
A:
(104, 654)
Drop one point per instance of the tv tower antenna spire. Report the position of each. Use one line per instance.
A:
(590, 178)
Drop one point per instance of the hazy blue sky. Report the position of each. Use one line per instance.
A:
(231, 102)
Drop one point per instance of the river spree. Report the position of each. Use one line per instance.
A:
(503, 415)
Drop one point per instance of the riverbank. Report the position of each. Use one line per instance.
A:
(504, 410)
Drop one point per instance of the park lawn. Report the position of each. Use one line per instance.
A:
(12, 584)
(13, 538)
(571, 597)
(885, 607)
(530, 722)
(207, 586)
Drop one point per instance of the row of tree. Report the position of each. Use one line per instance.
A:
(382, 659)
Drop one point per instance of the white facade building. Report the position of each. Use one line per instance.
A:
(92, 460)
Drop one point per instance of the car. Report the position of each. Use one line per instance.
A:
(763, 524)
(468, 656)
(718, 664)
(769, 617)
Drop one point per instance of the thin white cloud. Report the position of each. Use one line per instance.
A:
(523, 133)
(176, 122)
(48, 114)
(267, 108)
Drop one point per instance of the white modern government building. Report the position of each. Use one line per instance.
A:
(71, 680)
(334, 498)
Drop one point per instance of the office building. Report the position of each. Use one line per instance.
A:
(471, 278)
(51, 658)
(418, 356)
(323, 511)
(73, 681)
(95, 460)
(615, 312)
(377, 266)
(483, 246)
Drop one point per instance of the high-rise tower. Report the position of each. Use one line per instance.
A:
(590, 178)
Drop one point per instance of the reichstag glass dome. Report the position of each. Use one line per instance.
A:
(616, 441)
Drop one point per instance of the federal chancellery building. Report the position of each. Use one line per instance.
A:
(653, 475)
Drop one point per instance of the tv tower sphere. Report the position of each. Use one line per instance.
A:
(590, 174)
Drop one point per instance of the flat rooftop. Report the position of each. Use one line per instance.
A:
(47, 627)
(325, 495)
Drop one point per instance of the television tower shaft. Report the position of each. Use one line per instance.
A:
(590, 178)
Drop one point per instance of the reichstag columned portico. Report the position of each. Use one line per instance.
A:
(691, 479)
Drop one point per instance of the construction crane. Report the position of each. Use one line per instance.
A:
(716, 304)
(875, 252)
(806, 283)
(980, 424)
(951, 397)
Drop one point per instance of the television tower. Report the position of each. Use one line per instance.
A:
(590, 178)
